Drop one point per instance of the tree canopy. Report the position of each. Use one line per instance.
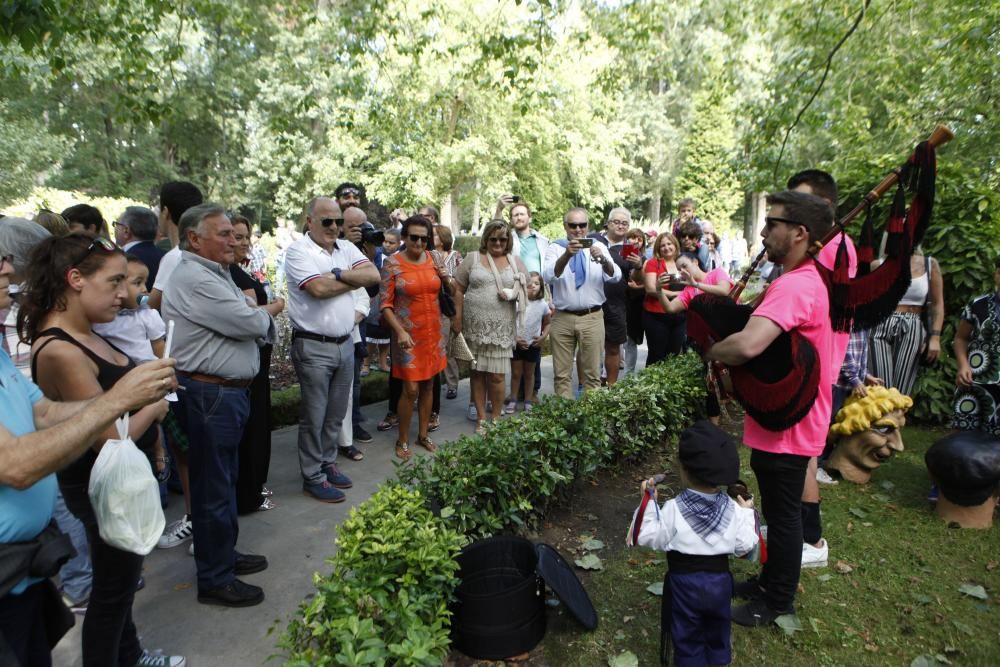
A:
(593, 103)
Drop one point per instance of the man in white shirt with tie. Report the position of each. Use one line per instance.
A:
(576, 269)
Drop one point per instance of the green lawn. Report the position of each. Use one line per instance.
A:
(900, 600)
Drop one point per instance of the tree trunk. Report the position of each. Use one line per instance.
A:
(654, 208)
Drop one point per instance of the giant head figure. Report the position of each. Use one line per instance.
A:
(966, 468)
(866, 433)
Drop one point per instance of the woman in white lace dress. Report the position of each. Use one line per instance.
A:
(487, 316)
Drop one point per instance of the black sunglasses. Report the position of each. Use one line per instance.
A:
(326, 222)
(416, 238)
(577, 225)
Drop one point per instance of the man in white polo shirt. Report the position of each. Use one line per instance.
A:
(576, 268)
(321, 274)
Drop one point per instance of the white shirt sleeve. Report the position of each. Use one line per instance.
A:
(747, 535)
(168, 263)
(657, 527)
(616, 274)
(552, 255)
(153, 323)
(300, 267)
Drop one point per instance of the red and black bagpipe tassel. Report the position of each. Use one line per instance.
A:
(873, 296)
(866, 243)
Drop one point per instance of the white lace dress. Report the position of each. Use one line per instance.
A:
(487, 322)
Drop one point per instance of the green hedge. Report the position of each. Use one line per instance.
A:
(386, 601)
(285, 402)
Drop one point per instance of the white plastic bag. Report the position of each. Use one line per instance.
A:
(125, 495)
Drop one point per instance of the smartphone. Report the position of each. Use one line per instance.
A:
(586, 243)
(630, 250)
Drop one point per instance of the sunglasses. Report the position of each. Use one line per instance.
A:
(416, 238)
(101, 243)
(498, 239)
(577, 225)
(349, 192)
(326, 222)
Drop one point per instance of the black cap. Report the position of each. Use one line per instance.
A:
(966, 467)
(709, 454)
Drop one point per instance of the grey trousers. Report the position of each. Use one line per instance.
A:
(326, 375)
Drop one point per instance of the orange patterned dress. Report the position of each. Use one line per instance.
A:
(411, 290)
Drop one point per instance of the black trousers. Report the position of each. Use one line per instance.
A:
(23, 634)
(665, 335)
(255, 446)
(109, 635)
(780, 478)
(396, 390)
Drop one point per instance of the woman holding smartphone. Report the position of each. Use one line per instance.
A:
(665, 332)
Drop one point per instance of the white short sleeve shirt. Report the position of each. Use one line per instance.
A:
(306, 260)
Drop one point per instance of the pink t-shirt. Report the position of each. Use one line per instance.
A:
(713, 277)
(799, 300)
(828, 257)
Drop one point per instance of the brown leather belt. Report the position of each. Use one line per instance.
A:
(902, 308)
(581, 313)
(215, 379)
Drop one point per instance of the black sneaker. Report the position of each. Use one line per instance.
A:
(362, 436)
(235, 594)
(756, 613)
(748, 589)
(249, 563)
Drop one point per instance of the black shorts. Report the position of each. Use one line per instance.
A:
(532, 354)
(615, 324)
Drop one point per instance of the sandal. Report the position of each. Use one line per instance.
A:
(351, 452)
(434, 423)
(403, 450)
(427, 444)
(389, 421)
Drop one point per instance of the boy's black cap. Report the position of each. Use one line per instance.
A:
(709, 454)
(966, 466)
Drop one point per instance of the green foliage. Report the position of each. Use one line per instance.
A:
(965, 239)
(505, 479)
(386, 601)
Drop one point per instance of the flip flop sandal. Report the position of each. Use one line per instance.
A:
(352, 453)
(389, 421)
(403, 450)
(162, 475)
(427, 444)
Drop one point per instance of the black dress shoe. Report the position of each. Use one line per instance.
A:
(234, 594)
(250, 563)
(361, 435)
(749, 589)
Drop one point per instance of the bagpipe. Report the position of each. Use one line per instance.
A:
(778, 387)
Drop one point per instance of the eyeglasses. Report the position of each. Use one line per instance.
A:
(618, 222)
(116, 223)
(416, 238)
(326, 222)
(577, 225)
(770, 220)
(6, 259)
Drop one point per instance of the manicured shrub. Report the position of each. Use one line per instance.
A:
(386, 601)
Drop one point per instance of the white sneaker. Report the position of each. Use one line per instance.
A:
(176, 534)
(473, 415)
(815, 556)
(157, 659)
(823, 477)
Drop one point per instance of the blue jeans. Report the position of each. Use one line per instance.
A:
(213, 417)
(76, 574)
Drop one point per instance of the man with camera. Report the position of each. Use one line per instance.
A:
(576, 268)
(322, 270)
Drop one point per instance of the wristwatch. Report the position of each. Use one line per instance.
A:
(336, 274)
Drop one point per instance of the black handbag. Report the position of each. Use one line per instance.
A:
(445, 300)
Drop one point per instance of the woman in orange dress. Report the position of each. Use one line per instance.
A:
(411, 280)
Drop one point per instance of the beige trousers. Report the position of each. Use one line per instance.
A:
(584, 336)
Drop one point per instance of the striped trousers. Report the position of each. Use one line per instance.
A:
(894, 348)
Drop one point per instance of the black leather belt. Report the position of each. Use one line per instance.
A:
(321, 338)
(580, 313)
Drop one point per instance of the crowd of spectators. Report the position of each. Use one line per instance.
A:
(86, 325)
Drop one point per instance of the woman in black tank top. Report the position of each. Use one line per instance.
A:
(73, 282)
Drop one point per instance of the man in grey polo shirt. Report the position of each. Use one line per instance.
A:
(217, 333)
(322, 272)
